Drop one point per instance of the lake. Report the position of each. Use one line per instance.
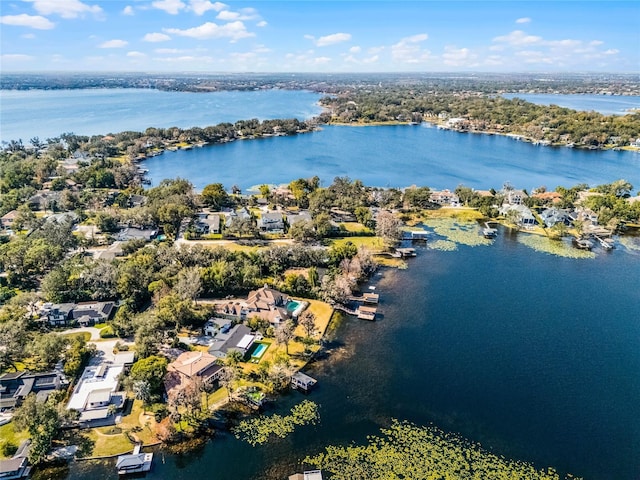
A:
(25, 114)
(605, 104)
(395, 156)
(534, 356)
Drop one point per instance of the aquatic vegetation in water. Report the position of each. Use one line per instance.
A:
(463, 233)
(406, 450)
(553, 247)
(630, 243)
(443, 245)
(260, 429)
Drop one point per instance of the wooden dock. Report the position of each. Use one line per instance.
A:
(367, 313)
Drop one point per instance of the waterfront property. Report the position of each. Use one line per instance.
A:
(191, 368)
(302, 381)
(17, 467)
(239, 338)
(308, 475)
(96, 395)
(266, 303)
(136, 462)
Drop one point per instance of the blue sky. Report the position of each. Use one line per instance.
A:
(319, 36)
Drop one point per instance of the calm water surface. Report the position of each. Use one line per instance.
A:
(395, 156)
(606, 104)
(535, 356)
(25, 114)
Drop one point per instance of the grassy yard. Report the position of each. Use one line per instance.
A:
(113, 440)
(8, 436)
(374, 243)
(355, 227)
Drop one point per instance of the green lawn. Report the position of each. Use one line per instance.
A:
(9, 436)
(374, 243)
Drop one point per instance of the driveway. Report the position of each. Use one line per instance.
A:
(95, 332)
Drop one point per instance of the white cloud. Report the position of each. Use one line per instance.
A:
(172, 7)
(15, 57)
(113, 44)
(135, 54)
(156, 37)
(518, 38)
(186, 59)
(409, 50)
(168, 51)
(233, 30)
(611, 51)
(200, 7)
(355, 49)
(595, 43)
(329, 39)
(128, 10)
(375, 50)
(321, 60)
(23, 20)
(65, 8)
(261, 23)
(242, 14)
(458, 57)
(28, 36)
(372, 59)
(523, 20)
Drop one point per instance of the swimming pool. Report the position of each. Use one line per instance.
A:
(259, 351)
(296, 307)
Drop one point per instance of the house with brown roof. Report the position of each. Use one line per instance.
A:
(190, 368)
(6, 222)
(269, 304)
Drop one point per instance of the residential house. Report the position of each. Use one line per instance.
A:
(341, 216)
(242, 214)
(90, 313)
(515, 197)
(137, 201)
(301, 216)
(44, 200)
(239, 338)
(548, 197)
(269, 304)
(97, 390)
(17, 467)
(84, 313)
(135, 233)
(6, 222)
(444, 198)
(525, 216)
(271, 222)
(16, 386)
(552, 216)
(57, 315)
(208, 224)
(190, 368)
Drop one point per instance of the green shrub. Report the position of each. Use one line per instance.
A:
(107, 332)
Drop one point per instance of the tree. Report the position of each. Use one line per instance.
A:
(303, 231)
(226, 378)
(215, 195)
(151, 370)
(388, 227)
(419, 197)
(364, 216)
(284, 333)
(189, 284)
(42, 420)
(48, 349)
(308, 322)
(142, 391)
(233, 358)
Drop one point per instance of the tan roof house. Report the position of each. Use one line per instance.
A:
(191, 367)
